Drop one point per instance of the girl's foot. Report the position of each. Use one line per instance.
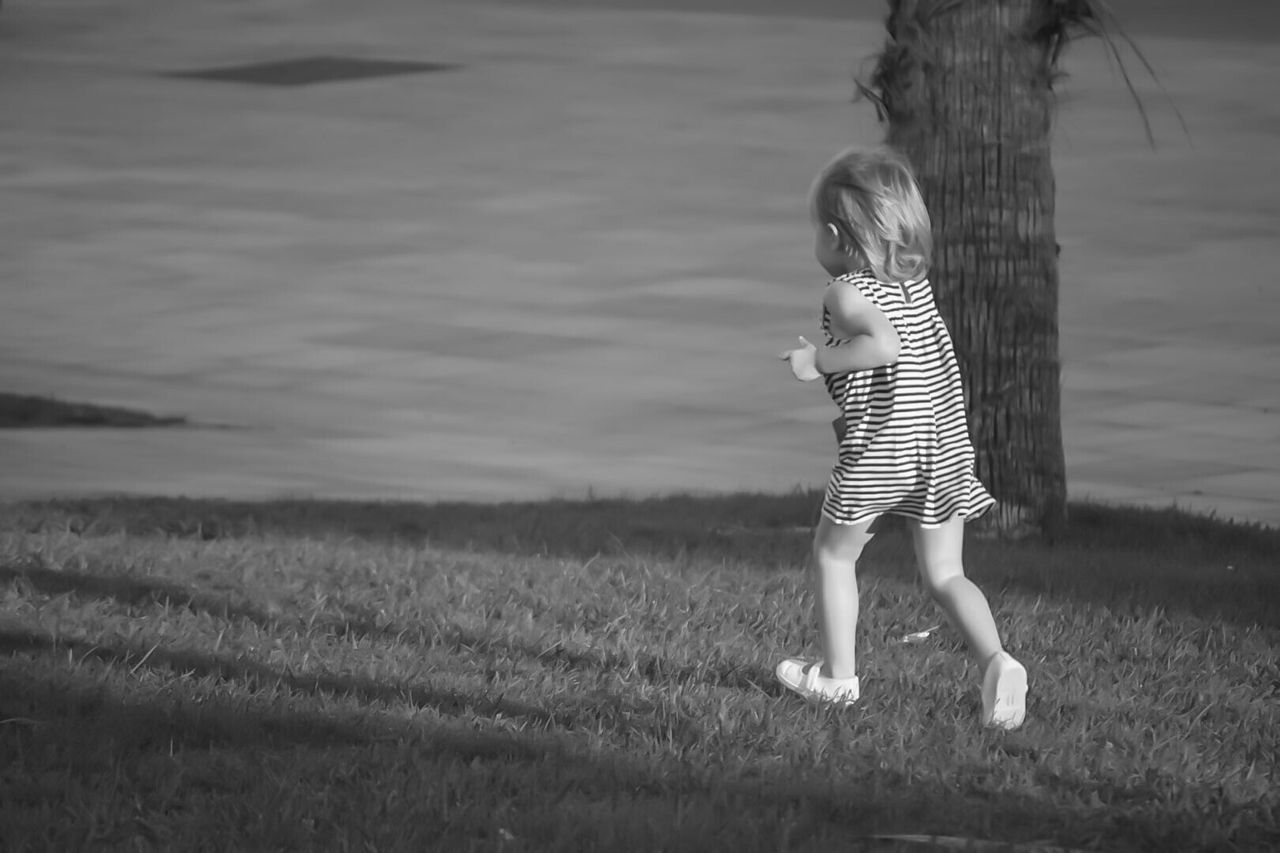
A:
(1004, 692)
(807, 680)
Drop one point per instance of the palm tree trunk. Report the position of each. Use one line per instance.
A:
(966, 88)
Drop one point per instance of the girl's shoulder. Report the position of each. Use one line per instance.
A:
(851, 296)
(851, 285)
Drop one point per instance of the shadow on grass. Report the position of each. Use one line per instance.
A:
(760, 533)
(89, 719)
(595, 710)
(132, 590)
(1127, 557)
(72, 724)
(256, 676)
(745, 526)
(143, 592)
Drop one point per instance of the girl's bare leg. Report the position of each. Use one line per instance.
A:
(836, 548)
(939, 558)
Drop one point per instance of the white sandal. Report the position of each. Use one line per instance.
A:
(1004, 692)
(807, 680)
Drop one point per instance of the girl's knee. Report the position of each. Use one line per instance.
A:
(937, 578)
(939, 555)
(824, 548)
(826, 553)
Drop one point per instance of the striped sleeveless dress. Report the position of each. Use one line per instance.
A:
(906, 447)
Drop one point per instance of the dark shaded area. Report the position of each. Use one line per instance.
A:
(83, 735)
(124, 726)
(311, 70)
(20, 411)
(754, 532)
(238, 604)
(659, 526)
(132, 590)
(200, 664)
(65, 723)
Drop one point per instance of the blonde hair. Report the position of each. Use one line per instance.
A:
(872, 199)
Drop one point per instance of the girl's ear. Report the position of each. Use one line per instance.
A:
(838, 243)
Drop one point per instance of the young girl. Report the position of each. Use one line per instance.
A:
(904, 445)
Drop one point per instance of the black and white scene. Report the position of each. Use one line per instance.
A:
(639, 425)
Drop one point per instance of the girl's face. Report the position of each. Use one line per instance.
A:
(830, 250)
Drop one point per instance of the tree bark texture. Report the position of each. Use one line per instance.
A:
(966, 88)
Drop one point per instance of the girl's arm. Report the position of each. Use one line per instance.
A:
(873, 342)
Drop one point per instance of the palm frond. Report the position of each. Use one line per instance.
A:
(1063, 21)
(1112, 23)
(1057, 24)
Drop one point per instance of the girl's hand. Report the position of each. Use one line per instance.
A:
(803, 361)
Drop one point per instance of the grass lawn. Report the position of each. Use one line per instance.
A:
(597, 675)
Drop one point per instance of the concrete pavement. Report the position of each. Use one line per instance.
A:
(567, 263)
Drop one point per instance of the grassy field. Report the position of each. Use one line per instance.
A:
(597, 675)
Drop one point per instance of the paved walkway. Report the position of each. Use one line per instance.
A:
(566, 265)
